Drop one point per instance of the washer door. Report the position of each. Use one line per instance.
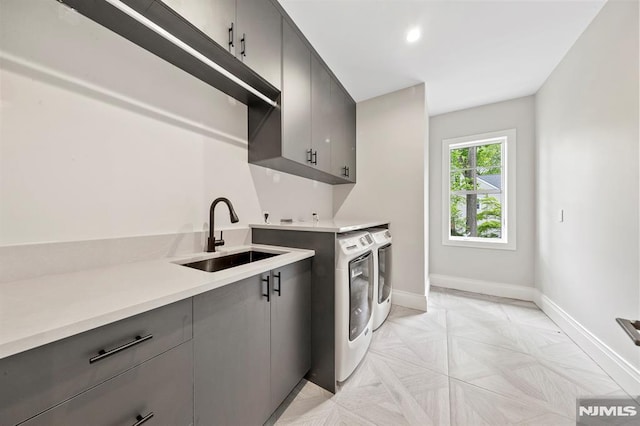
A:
(384, 272)
(360, 294)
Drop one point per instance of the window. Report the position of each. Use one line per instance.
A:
(479, 190)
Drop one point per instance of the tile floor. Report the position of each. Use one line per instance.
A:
(471, 360)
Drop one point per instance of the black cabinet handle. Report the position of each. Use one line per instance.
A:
(309, 156)
(141, 420)
(104, 354)
(279, 277)
(345, 171)
(231, 36)
(314, 157)
(268, 288)
(348, 171)
(243, 45)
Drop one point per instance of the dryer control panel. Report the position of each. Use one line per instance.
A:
(381, 236)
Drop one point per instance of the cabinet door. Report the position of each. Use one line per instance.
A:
(259, 38)
(350, 134)
(343, 146)
(340, 145)
(321, 114)
(160, 390)
(212, 17)
(296, 96)
(290, 328)
(231, 354)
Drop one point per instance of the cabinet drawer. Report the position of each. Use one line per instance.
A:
(36, 380)
(160, 389)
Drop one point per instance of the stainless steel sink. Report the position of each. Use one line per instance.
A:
(229, 260)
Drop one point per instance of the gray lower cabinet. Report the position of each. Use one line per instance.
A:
(231, 354)
(251, 345)
(290, 329)
(160, 390)
(38, 379)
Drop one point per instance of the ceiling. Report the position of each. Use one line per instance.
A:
(470, 52)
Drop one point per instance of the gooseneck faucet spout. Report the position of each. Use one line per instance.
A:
(212, 243)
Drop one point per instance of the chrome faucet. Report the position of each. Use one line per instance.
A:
(212, 243)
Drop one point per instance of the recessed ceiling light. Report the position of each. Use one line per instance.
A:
(413, 35)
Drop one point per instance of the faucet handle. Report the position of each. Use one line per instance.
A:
(219, 242)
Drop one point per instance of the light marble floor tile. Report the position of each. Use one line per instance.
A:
(470, 360)
(474, 406)
(514, 374)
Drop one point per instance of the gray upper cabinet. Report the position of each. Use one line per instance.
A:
(321, 110)
(296, 97)
(258, 38)
(215, 18)
(249, 29)
(343, 153)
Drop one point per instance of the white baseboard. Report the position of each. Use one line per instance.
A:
(409, 300)
(626, 375)
(511, 291)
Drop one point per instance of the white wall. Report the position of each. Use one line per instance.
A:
(587, 156)
(450, 263)
(391, 158)
(100, 139)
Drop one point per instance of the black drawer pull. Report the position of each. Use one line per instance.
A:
(104, 354)
(279, 277)
(631, 327)
(231, 36)
(268, 288)
(141, 419)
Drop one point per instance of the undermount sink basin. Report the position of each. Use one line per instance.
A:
(229, 261)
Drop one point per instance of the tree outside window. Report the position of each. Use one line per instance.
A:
(476, 190)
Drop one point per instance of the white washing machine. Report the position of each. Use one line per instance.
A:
(382, 273)
(354, 300)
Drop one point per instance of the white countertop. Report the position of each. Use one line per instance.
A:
(42, 310)
(337, 226)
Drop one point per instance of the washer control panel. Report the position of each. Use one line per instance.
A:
(355, 242)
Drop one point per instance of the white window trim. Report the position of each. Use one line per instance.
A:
(508, 240)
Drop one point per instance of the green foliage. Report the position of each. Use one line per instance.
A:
(488, 159)
(490, 218)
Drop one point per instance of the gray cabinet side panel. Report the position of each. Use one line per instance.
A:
(322, 370)
(231, 334)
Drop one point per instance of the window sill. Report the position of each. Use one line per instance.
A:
(478, 243)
